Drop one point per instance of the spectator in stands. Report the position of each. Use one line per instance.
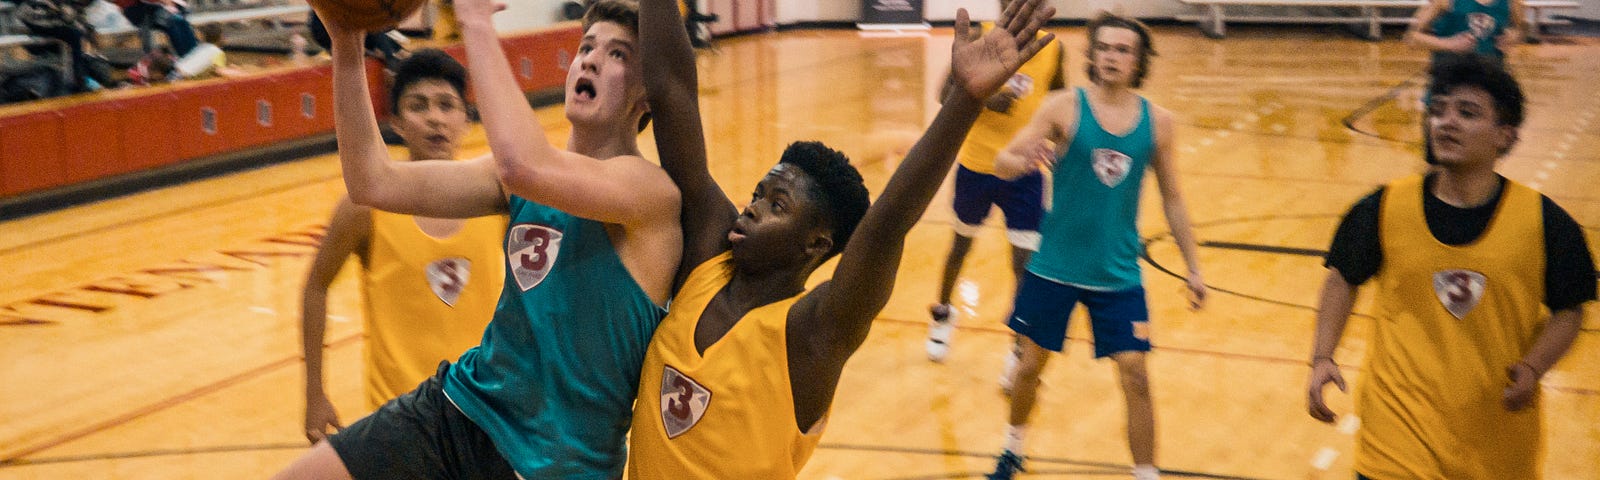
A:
(169, 16)
(378, 44)
(65, 20)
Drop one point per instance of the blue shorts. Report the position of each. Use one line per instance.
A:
(1120, 319)
(1020, 200)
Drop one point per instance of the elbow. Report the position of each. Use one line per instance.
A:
(513, 173)
(364, 195)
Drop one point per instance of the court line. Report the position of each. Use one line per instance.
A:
(1145, 254)
(169, 402)
(1253, 247)
(254, 194)
(1349, 120)
(1213, 353)
(164, 452)
(1086, 341)
(1121, 469)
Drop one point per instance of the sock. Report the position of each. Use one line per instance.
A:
(1014, 436)
(1146, 472)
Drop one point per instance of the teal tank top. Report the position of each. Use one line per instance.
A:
(553, 381)
(1090, 237)
(1484, 22)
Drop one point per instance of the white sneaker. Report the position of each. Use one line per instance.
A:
(940, 330)
(1146, 472)
(1008, 376)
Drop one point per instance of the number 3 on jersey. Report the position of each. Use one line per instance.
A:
(530, 252)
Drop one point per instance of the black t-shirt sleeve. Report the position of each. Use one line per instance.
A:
(1569, 273)
(1355, 250)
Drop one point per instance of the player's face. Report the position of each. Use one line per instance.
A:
(432, 117)
(1465, 128)
(604, 84)
(1115, 55)
(781, 227)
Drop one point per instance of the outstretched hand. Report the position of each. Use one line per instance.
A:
(477, 10)
(981, 64)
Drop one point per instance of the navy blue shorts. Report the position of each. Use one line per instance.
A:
(1020, 200)
(1120, 319)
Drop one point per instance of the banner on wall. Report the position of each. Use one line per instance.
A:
(892, 15)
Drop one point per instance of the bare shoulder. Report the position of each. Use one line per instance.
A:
(652, 181)
(1163, 119)
(1057, 100)
(655, 188)
(1060, 107)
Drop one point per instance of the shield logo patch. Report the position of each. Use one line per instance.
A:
(1459, 290)
(1481, 25)
(683, 402)
(447, 277)
(1020, 84)
(530, 252)
(1111, 166)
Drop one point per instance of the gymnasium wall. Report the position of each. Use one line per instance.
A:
(74, 140)
(527, 14)
(798, 11)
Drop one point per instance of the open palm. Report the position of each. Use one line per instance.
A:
(981, 64)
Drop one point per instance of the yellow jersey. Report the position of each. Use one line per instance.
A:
(727, 413)
(994, 130)
(427, 299)
(1450, 321)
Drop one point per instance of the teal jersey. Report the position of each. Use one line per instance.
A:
(1484, 22)
(1090, 238)
(553, 381)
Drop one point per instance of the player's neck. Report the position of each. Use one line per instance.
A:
(1466, 187)
(751, 289)
(1113, 95)
(602, 143)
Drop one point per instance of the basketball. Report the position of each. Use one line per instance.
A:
(368, 15)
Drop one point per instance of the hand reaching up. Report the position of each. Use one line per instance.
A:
(981, 64)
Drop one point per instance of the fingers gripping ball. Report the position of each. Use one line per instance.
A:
(368, 15)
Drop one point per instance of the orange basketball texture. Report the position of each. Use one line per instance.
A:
(369, 15)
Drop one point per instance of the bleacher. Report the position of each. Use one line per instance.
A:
(201, 13)
(1369, 15)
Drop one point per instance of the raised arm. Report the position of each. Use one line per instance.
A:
(672, 85)
(1421, 34)
(434, 188)
(843, 309)
(1034, 147)
(1172, 204)
(626, 190)
(348, 233)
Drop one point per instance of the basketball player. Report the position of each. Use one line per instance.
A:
(1464, 27)
(456, 262)
(977, 189)
(1487, 28)
(1465, 262)
(739, 380)
(1098, 141)
(592, 247)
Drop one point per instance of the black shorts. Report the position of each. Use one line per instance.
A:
(419, 435)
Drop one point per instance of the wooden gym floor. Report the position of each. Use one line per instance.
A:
(155, 335)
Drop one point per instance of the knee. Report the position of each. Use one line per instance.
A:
(1135, 378)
